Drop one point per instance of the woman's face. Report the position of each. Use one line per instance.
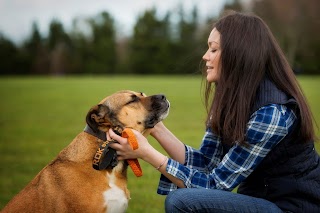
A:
(212, 56)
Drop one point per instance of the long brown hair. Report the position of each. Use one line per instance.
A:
(249, 52)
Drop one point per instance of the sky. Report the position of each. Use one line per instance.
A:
(17, 16)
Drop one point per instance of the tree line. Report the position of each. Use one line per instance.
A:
(157, 45)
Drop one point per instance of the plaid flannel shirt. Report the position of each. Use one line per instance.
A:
(209, 168)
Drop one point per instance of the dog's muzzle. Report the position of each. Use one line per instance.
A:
(159, 110)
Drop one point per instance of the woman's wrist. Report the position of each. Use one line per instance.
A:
(155, 158)
(158, 131)
(162, 163)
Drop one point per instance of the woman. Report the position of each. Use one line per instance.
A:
(259, 133)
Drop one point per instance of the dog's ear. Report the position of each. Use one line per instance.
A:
(97, 118)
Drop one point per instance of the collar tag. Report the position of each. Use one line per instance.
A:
(105, 156)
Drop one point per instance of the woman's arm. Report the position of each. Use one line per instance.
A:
(197, 159)
(267, 126)
(146, 152)
(170, 143)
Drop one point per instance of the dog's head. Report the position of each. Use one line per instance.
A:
(128, 109)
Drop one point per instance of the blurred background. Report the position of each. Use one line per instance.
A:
(55, 37)
(60, 57)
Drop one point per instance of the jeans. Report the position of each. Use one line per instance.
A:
(213, 200)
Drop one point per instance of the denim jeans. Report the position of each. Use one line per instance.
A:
(213, 200)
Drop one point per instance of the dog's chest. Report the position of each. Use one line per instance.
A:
(115, 197)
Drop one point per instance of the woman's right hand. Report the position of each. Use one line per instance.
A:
(157, 129)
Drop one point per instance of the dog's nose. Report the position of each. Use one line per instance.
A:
(160, 97)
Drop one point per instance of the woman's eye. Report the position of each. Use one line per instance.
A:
(214, 50)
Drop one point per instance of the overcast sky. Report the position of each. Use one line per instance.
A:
(16, 16)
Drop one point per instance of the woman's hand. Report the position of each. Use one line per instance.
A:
(145, 152)
(123, 148)
(157, 129)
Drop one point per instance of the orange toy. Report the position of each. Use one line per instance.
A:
(133, 163)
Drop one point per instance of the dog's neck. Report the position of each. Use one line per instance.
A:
(105, 157)
(101, 134)
(98, 134)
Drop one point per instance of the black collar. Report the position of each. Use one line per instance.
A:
(98, 134)
(105, 157)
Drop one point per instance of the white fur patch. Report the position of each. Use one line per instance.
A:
(115, 198)
(163, 116)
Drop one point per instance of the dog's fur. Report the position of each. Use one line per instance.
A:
(69, 183)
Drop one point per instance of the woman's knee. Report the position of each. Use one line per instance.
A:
(176, 201)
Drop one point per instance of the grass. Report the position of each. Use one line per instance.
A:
(41, 115)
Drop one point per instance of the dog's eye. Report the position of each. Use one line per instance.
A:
(130, 102)
(133, 100)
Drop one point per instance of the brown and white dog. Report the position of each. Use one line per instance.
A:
(70, 183)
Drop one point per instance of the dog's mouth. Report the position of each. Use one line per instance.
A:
(165, 113)
(160, 110)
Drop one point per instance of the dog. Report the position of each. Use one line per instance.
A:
(70, 183)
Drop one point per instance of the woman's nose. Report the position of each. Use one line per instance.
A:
(205, 56)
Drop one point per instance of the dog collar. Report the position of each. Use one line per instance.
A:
(98, 134)
(105, 156)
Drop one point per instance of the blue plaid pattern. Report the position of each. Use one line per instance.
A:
(208, 168)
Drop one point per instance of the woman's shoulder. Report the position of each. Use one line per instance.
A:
(270, 112)
(271, 108)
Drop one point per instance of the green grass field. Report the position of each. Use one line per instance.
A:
(39, 116)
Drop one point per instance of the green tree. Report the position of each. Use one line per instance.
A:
(35, 40)
(8, 53)
(296, 26)
(150, 47)
(35, 52)
(189, 46)
(81, 41)
(101, 56)
(59, 46)
(57, 34)
(13, 61)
